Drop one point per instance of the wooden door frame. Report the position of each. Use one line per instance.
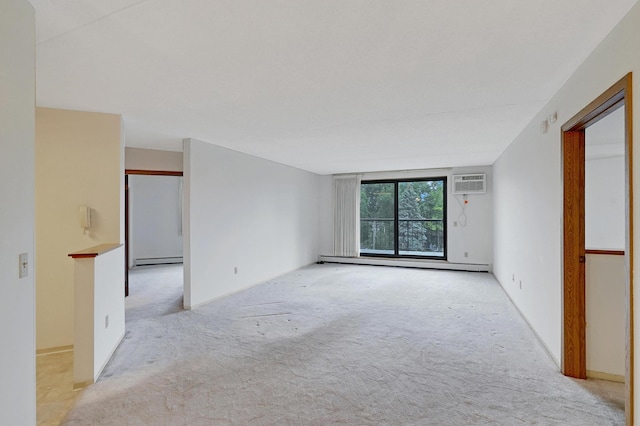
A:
(574, 325)
(128, 172)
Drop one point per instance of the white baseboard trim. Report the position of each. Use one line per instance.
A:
(535, 332)
(104, 364)
(83, 384)
(188, 307)
(157, 260)
(605, 376)
(407, 263)
(54, 350)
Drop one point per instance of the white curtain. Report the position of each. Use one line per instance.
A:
(346, 216)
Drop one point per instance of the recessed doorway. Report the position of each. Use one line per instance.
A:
(574, 363)
(153, 239)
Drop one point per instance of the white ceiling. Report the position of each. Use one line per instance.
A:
(328, 86)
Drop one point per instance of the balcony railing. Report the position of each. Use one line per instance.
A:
(417, 237)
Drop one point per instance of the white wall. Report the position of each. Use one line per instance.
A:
(99, 292)
(528, 229)
(79, 160)
(109, 300)
(247, 213)
(17, 295)
(528, 188)
(604, 203)
(605, 314)
(476, 238)
(155, 217)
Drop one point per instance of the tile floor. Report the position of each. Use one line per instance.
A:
(54, 387)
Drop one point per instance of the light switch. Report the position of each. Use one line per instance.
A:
(23, 267)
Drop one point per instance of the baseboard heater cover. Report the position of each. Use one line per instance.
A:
(408, 263)
(157, 260)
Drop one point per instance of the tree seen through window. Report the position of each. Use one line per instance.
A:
(403, 218)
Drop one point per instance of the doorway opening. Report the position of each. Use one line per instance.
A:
(153, 242)
(574, 348)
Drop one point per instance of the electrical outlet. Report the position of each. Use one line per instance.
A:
(235, 270)
(513, 278)
(455, 223)
(23, 265)
(106, 321)
(466, 254)
(520, 284)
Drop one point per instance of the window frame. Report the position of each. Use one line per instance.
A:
(396, 224)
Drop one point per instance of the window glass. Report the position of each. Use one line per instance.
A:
(377, 218)
(420, 214)
(403, 218)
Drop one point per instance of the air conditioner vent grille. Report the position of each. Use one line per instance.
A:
(470, 184)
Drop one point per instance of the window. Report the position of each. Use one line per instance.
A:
(403, 218)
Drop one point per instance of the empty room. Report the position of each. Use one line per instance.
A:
(412, 212)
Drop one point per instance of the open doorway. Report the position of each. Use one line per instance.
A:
(605, 248)
(153, 241)
(574, 347)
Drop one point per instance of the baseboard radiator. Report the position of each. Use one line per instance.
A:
(157, 260)
(407, 263)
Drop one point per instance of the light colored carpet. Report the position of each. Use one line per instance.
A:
(337, 344)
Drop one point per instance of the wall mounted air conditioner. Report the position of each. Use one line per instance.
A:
(470, 184)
